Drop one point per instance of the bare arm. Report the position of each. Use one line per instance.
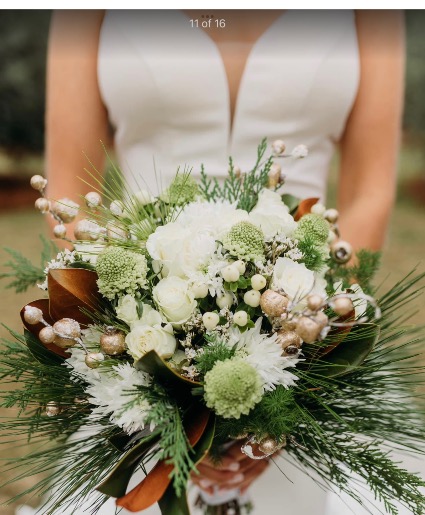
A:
(370, 144)
(76, 119)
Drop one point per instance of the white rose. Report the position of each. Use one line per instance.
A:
(272, 215)
(144, 338)
(165, 245)
(89, 251)
(127, 309)
(295, 279)
(175, 299)
(180, 251)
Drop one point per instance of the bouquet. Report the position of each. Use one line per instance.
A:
(213, 313)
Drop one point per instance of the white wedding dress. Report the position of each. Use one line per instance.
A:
(165, 87)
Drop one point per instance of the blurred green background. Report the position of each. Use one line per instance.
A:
(23, 37)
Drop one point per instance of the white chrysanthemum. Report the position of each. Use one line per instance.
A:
(272, 215)
(115, 393)
(263, 353)
(79, 368)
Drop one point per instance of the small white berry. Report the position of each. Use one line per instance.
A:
(200, 291)
(33, 315)
(210, 320)
(300, 151)
(252, 298)
(59, 231)
(278, 146)
(230, 273)
(93, 199)
(43, 205)
(38, 182)
(318, 209)
(240, 318)
(240, 265)
(224, 301)
(116, 208)
(258, 282)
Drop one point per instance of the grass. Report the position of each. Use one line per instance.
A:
(404, 251)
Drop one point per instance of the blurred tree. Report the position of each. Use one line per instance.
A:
(414, 113)
(22, 79)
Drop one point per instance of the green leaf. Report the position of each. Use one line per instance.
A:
(41, 353)
(205, 442)
(291, 201)
(82, 264)
(152, 364)
(117, 481)
(350, 353)
(171, 504)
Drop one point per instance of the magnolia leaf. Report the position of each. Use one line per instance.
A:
(117, 481)
(156, 483)
(170, 503)
(291, 201)
(154, 365)
(204, 445)
(304, 207)
(350, 353)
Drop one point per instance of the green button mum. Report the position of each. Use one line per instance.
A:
(232, 388)
(246, 241)
(313, 227)
(182, 190)
(120, 271)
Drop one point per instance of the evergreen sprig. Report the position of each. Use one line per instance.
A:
(23, 273)
(175, 448)
(243, 191)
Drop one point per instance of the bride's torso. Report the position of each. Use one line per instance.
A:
(167, 93)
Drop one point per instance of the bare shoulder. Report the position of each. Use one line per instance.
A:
(380, 32)
(74, 29)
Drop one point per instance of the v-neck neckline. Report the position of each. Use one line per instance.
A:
(231, 121)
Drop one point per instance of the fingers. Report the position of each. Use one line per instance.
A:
(226, 463)
(219, 477)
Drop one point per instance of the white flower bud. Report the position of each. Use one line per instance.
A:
(38, 182)
(210, 320)
(59, 231)
(116, 208)
(33, 315)
(230, 273)
(93, 199)
(43, 205)
(252, 298)
(240, 265)
(278, 146)
(200, 291)
(300, 151)
(240, 318)
(224, 301)
(258, 282)
(318, 209)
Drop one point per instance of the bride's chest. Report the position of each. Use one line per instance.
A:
(157, 71)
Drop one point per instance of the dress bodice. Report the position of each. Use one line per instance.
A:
(166, 91)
